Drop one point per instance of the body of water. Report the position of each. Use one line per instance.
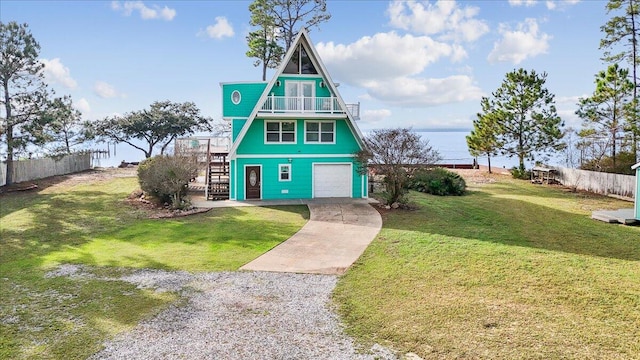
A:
(452, 146)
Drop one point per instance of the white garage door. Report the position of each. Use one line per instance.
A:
(331, 180)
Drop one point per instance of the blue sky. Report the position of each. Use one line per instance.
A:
(422, 64)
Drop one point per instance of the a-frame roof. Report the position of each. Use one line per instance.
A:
(301, 38)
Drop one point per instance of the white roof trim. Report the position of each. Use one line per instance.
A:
(323, 72)
(635, 166)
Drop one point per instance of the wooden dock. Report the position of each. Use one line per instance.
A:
(623, 216)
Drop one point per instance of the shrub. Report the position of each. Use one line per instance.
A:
(517, 173)
(438, 181)
(624, 161)
(166, 178)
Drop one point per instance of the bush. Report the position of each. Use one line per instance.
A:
(166, 178)
(624, 161)
(516, 173)
(438, 181)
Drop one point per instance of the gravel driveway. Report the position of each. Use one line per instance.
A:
(237, 315)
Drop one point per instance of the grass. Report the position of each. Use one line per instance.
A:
(88, 223)
(509, 271)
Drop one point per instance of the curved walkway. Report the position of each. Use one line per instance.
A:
(333, 239)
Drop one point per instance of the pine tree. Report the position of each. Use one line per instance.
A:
(483, 139)
(525, 114)
(610, 105)
(24, 93)
(620, 42)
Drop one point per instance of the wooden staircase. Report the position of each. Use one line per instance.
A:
(217, 187)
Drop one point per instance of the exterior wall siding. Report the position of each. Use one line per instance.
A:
(253, 143)
(300, 185)
(249, 95)
(280, 90)
(236, 127)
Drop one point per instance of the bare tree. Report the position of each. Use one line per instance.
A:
(395, 153)
(276, 23)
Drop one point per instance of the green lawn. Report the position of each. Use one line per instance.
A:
(65, 318)
(509, 271)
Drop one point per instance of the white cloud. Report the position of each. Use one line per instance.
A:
(420, 92)
(82, 105)
(519, 44)
(522, 2)
(105, 90)
(55, 71)
(384, 56)
(444, 18)
(220, 29)
(146, 13)
(388, 66)
(566, 107)
(375, 116)
(550, 4)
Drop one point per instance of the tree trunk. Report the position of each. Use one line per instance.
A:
(9, 133)
(634, 121)
(66, 143)
(9, 173)
(489, 162)
(264, 70)
(613, 148)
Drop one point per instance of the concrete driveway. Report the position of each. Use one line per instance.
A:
(333, 239)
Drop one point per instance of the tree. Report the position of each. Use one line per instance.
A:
(624, 30)
(263, 42)
(483, 139)
(610, 105)
(278, 23)
(526, 116)
(24, 93)
(60, 127)
(289, 13)
(395, 153)
(162, 123)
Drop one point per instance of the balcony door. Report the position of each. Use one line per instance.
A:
(300, 95)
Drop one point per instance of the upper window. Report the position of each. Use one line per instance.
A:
(236, 97)
(280, 131)
(320, 132)
(300, 63)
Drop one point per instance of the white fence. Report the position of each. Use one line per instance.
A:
(598, 182)
(26, 170)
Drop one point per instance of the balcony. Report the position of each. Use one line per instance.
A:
(307, 105)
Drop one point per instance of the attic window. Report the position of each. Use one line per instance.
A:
(300, 62)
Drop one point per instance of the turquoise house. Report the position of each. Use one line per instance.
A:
(293, 137)
(636, 167)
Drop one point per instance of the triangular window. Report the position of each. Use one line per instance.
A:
(300, 62)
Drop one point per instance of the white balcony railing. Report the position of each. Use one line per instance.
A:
(300, 104)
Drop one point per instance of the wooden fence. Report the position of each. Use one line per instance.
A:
(27, 170)
(598, 182)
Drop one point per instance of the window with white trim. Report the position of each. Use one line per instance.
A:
(284, 172)
(320, 132)
(280, 132)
